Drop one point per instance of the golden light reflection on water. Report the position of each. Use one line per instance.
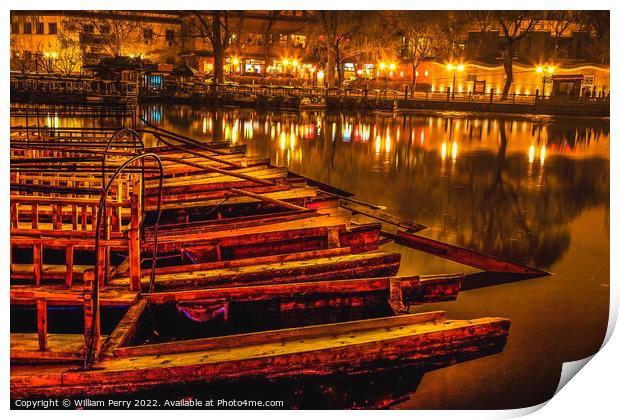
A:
(513, 187)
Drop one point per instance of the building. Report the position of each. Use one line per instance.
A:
(279, 46)
(64, 41)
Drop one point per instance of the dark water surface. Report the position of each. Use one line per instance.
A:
(532, 189)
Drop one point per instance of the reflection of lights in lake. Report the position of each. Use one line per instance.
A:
(454, 150)
(444, 150)
(346, 132)
(248, 130)
(543, 152)
(532, 153)
(204, 125)
(235, 134)
(333, 131)
(282, 141)
(378, 145)
(292, 142)
(388, 142)
(422, 138)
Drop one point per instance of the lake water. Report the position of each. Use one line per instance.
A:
(529, 188)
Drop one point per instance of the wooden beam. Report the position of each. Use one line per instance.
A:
(464, 256)
(382, 215)
(134, 245)
(275, 201)
(125, 329)
(42, 323)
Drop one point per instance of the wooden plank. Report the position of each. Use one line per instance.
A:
(42, 323)
(420, 289)
(69, 263)
(126, 328)
(260, 233)
(74, 296)
(134, 245)
(464, 256)
(246, 262)
(268, 199)
(381, 215)
(37, 262)
(62, 348)
(339, 267)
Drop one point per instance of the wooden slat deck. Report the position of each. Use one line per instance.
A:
(61, 348)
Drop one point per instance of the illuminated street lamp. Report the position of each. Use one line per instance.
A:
(50, 57)
(455, 68)
(235, 66)
(545, 72)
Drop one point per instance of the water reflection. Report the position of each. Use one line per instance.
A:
(534, 189)
(505, 186)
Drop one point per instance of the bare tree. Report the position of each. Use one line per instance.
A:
(560, 21)
(272, 17)
(515, 25)
(345, 36)
(113, 31)
(425, 37)
(214, 26)
(596, 24)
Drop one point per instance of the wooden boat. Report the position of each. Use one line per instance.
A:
(335, 263)
(423, 341)
(400, 292)
(234, 230)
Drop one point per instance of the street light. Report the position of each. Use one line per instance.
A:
(455, 68)
(49, 62)
(545, 72)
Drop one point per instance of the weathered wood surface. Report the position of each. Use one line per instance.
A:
(421, 340)
(280, 198)
(375, 264)
(415, 290)
(256, 237)
(73, 296)
(464, 256)
(61, 348)
(125, 329)
(381, 215)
